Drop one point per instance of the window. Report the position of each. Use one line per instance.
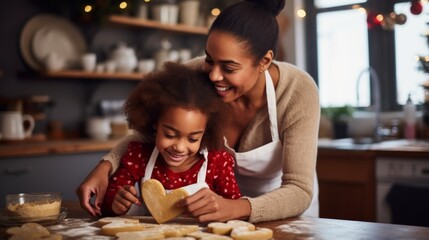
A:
(410, 43)
(340, 46)
(342, 50)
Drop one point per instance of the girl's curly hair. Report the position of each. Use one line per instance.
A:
(176, 85)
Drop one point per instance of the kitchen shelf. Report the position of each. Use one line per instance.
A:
(137, 22)
(131, 22)
(93, 75)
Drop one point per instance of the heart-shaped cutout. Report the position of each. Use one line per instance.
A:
(162, 206)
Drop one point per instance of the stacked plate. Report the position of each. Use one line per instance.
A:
(47, 34)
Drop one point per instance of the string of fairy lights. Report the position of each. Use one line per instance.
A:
(92, 7)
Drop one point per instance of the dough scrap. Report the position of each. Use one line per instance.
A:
(31, 231)
(106, 220)
(243, 233)
(208, 236)
(141, 235)
(226, 228)
(162, 206)
(177, 230)
(114, 228)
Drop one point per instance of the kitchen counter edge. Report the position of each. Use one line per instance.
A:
(49, 147)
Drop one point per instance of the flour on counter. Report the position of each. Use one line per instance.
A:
(73, 228)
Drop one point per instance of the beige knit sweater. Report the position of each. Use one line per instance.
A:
(298, 113)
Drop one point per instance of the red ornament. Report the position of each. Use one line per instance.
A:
(373, 20)
(416, 7)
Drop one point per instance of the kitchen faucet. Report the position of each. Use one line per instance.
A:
(375, 87)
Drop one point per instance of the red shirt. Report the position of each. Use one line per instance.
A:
(220, 173)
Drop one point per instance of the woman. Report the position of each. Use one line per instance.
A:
(273, 132)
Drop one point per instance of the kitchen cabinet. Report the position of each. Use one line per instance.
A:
(125, 21)
(346, 184)
(354, 179)
(55, 172)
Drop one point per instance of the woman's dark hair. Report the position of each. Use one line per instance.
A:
(253, 22)
(176, 85)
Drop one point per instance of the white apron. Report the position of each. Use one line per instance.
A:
(260, 170)
(191, 189)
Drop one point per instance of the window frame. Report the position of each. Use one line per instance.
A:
(381, 46)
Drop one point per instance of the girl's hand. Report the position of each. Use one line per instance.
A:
(207, 206)
(124, 199)
(95, 184)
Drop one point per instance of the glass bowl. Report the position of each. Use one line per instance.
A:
(34, 205)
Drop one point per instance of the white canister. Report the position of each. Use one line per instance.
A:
(15, 126)
(98, 128)
(142, 12)
(166, 13)
(189, 12)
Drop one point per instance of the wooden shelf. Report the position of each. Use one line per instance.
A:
(93, 75)
(137, 22)
(131, 22)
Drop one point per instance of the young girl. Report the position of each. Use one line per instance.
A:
(179, 114)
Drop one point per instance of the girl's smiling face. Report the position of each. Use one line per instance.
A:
(179, 132)
(231, 68)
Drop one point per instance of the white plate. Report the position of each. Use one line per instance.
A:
(51, 40)
(7, 220)
(46, 27)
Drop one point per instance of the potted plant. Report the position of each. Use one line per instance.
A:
(338, 117)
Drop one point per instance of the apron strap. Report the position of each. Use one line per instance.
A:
(203, 170)
(272, 106)
(150, 165)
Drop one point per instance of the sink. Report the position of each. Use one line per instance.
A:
(403, 144)
(369, 144)
(346, 143)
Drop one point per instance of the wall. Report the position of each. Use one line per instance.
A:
(294, 37)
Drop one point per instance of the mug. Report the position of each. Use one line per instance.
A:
(15, 126)
(89, 62)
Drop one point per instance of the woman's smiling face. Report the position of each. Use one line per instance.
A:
(179, 133)
(231, 69)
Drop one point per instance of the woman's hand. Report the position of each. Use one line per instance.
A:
(207, 206)
(124, 199)
(95, 184)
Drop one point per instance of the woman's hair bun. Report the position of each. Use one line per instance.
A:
(272, 6)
